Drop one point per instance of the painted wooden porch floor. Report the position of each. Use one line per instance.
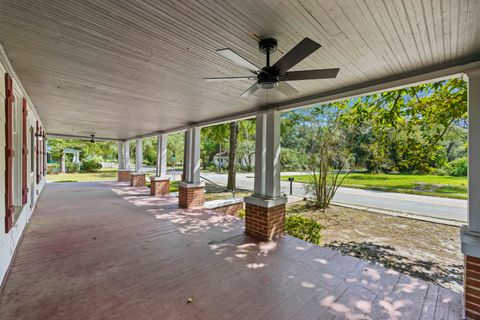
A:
(107, 251)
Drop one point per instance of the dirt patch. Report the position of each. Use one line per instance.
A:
(421, 249)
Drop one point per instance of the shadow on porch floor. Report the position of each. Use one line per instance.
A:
(107, 251)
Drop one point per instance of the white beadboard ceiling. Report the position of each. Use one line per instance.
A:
(120, 69)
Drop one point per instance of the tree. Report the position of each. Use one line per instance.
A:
(213, 140)
(246, 142)
(175, 150)
(414, 129)
(150, 151)
(232, 156)
(407, 126)
(328, 154)
(105, 150)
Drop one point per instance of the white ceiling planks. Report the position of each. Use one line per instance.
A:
(119, 69)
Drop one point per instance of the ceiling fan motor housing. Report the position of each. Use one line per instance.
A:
(268, 78)
(268, 45)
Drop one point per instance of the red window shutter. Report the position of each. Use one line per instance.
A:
(44, 153)
(40, 152)
(9, 153)
(37, 146)
(24, 152)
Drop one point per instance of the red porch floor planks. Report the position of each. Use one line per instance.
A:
(109, 251)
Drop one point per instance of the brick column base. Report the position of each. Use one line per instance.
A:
(190, 195)
(137, 179)
(265, 219)
(123, 175)
(472, 287)
(159, 186)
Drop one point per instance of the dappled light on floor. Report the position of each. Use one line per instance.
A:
(152, 259)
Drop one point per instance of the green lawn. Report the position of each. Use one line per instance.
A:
(102, 175)
(441, 186)
(105, 174)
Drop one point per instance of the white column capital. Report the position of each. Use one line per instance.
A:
(470, 242)
(472, 73)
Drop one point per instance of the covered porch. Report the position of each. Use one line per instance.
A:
(110, 251)
(123, 72)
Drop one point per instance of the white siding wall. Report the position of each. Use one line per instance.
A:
(10, 240)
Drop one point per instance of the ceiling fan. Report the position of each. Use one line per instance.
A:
(274, 76)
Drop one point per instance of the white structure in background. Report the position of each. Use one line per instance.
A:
(221, 160)
(75, 160)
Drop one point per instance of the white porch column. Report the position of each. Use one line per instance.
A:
(190, 191)
(120, 152)
(124, 173)
(139, 154)
(265, 209)
(474, 151)
(471, 234)
(272, 156)
(126, 158)
(76, 157)
(161, 155)
(191, 172)
(260, 154)
(160, 184)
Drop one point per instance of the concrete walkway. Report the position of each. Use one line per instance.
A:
(108, 251)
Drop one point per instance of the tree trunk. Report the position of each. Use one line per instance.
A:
(232, 156)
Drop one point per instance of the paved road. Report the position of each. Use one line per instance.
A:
(444, 208)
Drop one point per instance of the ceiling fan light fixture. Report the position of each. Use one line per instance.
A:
(268, 84)
(268, 78)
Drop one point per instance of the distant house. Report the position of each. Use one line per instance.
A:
(221, 160)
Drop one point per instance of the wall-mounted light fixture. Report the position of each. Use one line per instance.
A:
(40, 136)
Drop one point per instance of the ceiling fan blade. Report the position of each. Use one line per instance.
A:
(287, 89)
(235, 57)
(230, 78)
(302, 50)
(250, 91)
(310, 74)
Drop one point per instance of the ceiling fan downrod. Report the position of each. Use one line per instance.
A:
(268, 76)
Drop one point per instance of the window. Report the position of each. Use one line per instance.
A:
(17, 147)
(32, 150)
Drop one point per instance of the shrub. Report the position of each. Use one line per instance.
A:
(303, 228)
(458, 167)
(71, 167)
(91, 166)
(212, 167)
(53, 168)
(441, 172)
(291, 159)
(241, 213)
